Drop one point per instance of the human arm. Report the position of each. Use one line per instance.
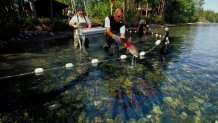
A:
(73, 22)
(89, 25)
(111, 34)
(107, 27)
(122, 32)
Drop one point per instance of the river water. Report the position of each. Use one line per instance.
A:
(179, 85)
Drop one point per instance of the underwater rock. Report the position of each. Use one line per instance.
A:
(188, 111)
(157, 110)
(171, 63)
(174, 102)
(177, 102)
(118, 120)
(183, 116)
(197, 119)
(170, 88)
(206, 97)
(149, 117)
(193, 106)
(172, 80)
(142, 120)
(207, 105)
(213, 84)
(96, 103)
(199, 101)
(157, 119)
(172, 113)
(108, 120)
(198, 113)
(187, 88)
(131, 121)
(168, 100)
(54, 106)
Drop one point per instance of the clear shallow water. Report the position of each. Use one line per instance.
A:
(179, 86)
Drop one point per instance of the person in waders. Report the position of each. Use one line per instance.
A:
(115, 31)
(80, 21)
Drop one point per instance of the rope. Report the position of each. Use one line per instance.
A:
(56, 68)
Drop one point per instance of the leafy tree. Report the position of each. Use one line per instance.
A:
(97, 11)
(210, 16)
(9, 21)
(180, 11)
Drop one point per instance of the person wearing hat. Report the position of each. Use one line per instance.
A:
(79, 21)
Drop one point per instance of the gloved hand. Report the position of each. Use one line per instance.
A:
(116, 38)
(75, 26)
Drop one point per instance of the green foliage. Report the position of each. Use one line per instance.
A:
(60, 25)
(9, 22)
(97, 11)
(130, 16)
(9, 30)
(29, 22)
(177, 11)
(216, 17)
(210, 16)
(63, 1)
(44, 20)
(118, 4)
(154, 19)
(180, 11)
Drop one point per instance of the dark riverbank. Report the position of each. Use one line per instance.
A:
(31, 38)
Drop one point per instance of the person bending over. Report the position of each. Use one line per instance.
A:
(115, 29)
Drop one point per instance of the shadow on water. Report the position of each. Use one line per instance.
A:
(133, 94)
(130, 101)
(138, 104)
(33, 101)
(31, 46)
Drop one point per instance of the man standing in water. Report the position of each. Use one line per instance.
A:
(115, 29)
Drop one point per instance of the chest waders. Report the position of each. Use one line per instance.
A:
(111, 46)
(76, 37)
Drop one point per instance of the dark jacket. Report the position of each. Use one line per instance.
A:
(115, 26)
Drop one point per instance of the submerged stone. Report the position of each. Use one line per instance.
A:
(183, 116)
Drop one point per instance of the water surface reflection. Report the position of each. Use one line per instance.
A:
(177, 86)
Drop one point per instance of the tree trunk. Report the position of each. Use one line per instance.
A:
(111, 5)
(20, 5)
(73, 5)
(51, 9)
(146, 15)
(33, 9)
(162, 9)
(124, 5)
(128, 4)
